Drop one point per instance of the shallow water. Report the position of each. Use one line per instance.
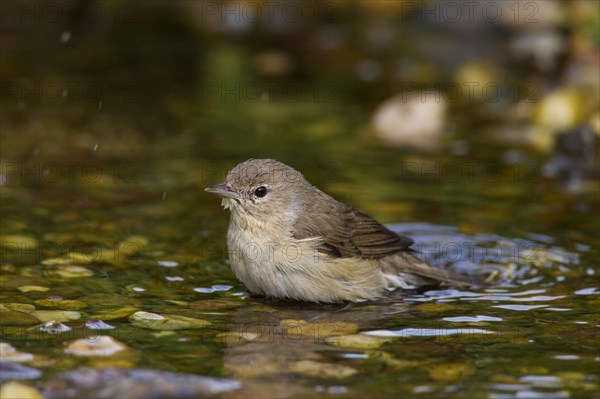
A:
(155, 242)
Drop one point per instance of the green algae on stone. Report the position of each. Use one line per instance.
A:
(12, 283)
(109, 300)
(359, 341)
(435, 307)
(163, 334)
(261, 307)
(56, 315)
(176, 302)
(575, 380)
(18, 241)
(19, 307)
(451, 372)
(390, 360)
(70, 271)
(317, 329)
(70, 258)
(236, 337)
(214, 304)
(113, 314)
(63, 304)
(29, 288)
(167, 322)
(324, 370)
(131, 245)
(15, 318)
(124, 249)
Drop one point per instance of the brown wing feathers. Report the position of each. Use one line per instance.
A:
(347, 232)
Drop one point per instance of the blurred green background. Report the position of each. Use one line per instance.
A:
(428, 92)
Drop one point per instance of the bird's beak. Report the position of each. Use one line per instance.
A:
(223, 190)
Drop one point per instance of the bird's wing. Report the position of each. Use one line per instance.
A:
(346, 232)
(343, 231)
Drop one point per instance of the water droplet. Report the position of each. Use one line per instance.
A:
(587, 291)
(168, 263)
(65, 36)
(519, 307)
(471, 319)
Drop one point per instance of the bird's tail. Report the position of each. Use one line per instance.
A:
(406, 270)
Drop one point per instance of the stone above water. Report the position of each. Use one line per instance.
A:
(15, 371)
(102, 345)
(17, 390)
(54, 327)
(8, 353)
(108, 383)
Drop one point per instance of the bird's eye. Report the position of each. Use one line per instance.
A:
(260, 191)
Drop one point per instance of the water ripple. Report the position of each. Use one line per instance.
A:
(471, 319)
(427, 332)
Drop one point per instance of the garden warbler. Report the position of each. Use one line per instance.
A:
(288, 239)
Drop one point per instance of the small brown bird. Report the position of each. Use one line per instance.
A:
(288, 239)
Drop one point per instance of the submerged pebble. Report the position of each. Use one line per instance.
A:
(318, 369)
(63, 304)
(451, 372)
(236, 337)
(155, 321)
(56, 315)
(110, 300)
(360, 341)
(113, 314)
(19, 307)
(17, 318)
(131, 245)
(70, 258)
(29, 288)
(70, 271)
(18, 241)
(214, 304)
(317, 329)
